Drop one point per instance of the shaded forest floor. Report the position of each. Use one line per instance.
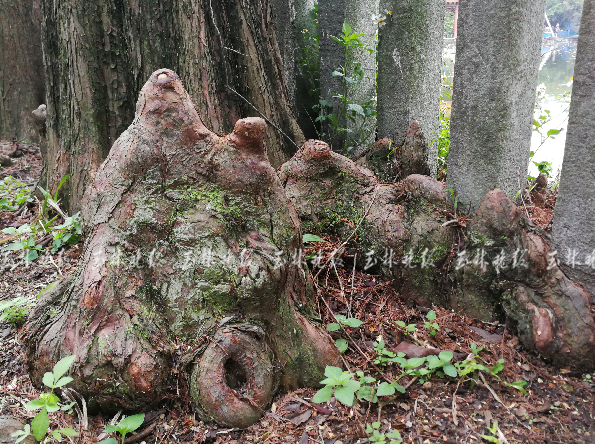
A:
(559, 406)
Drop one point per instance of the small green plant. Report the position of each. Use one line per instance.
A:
(15, 311)
(475, 349)
(48, 403)
(68, 233)
(443, 139)
(441, 364)
(472, 365)
(420, 367)
(310, 57)
(430, 325)
(493, 436)
(385, 357)
(25, 237)
(338, 383)
(407, 328)
(342, 344)
(350, 74)
(375, 435)
(366, 390)
(346, 389)
(543, 167)
(454, 198)
(308, 237)
(13, 194)
(126, 425)
(51, 201)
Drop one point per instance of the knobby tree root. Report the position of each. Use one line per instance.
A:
(234, 380)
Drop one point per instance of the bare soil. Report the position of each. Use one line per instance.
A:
(559, 406)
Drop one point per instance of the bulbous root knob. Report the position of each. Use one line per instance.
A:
(234, 380)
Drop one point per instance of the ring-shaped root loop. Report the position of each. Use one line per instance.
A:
(234, 380)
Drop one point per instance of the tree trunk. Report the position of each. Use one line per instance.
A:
(190, 241)
(90, 90)
(574, 224)
(409, 58)
(21, 69)
(228, 57)
(493, 99)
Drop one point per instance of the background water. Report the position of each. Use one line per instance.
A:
(557, 67)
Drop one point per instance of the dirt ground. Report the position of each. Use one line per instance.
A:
(559, 405)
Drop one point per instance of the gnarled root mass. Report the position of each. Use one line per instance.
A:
(189, 238)
(498, 265)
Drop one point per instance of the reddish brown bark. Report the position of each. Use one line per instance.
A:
(170, 192)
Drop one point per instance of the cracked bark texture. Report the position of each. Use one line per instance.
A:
(21, 69)
(189, 238)
(98, 55)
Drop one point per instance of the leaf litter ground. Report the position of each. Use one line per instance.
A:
(559, 406)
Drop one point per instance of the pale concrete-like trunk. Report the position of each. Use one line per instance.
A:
(574, 221)
(409, 58)
(494, 95)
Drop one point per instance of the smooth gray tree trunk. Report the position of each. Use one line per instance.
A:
(574, 221)
(409, 58)
(494, 95)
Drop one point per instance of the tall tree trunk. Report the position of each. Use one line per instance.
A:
(21, 69)
(574, 222)
(494, 95)
(409, 57)
(90, 90)
(227, 56)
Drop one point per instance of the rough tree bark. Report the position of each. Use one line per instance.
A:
(227, 56)
(21, 69)
(574, 228)
(190, 237)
